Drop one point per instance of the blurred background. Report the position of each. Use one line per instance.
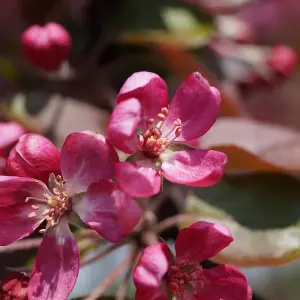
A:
(249, 49)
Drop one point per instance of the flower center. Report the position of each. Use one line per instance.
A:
(58, 202)
(152, 141)
(181, 279)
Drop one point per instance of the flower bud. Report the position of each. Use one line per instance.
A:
(34, 156)
(283, 60)
(14, 286)
(46, 47)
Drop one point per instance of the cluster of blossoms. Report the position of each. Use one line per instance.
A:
(46, 189)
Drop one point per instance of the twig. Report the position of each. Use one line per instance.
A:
(169, 222)
(108, 281)
(22, 245)
(102, 254)
(123, 289)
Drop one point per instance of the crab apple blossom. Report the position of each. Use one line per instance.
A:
(83, 189)
(46, 47)
(157, 135)
(14, 286)
(10, 133)
(34, 156)
(159, 275)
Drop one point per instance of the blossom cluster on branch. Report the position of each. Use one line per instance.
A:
(86, 184)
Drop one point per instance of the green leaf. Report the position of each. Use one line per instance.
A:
(179, 19)
(258, 201)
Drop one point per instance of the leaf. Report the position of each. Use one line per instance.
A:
(252, 145)
(259, 201)
(180, 20)
(154, 37)
(250, 248)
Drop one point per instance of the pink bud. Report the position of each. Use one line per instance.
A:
(283, 59)
(46, 47)
(14, 286)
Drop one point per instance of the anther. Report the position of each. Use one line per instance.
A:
(35, 207)
(164, 111)
(178, 132)
(161, 117)
(32, 214)
(177, 122)
(149, 121)
(42, 231)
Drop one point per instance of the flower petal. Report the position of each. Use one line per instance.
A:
(15, 190)
(122, 128)
(150, 89)
(201, 241)
(196, 104)
(148, 275)
(56, 266)
(15, 222)
(223, 282)
(34, 156)
(138, 179)
(86, 158)
(10, 133)
(195, 167)
(108, 210)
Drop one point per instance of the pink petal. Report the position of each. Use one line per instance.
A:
(201, 241)
(195, 167)
(15, 190)
(56, 265)
(149, 89)
(223, 282)
(138, 179)
(86, 158)
(10, 133)
(15, 222)
(34, 156)
(108, 210)
(122, 128)
(196, 104)
(148, 275)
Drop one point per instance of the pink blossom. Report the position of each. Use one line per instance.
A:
(157, 135)
(46, 47)
(10, 133)
(83, 189)
(159, 274)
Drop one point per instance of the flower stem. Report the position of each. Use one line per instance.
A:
(108, 281)
(102, 254)
(169, 222)
(123, 289)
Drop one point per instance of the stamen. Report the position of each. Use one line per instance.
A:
(178, 131)
(177, 122)
(161, 117)
(164, 111)
(35, 207)
(150, 122)
(32, 214)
